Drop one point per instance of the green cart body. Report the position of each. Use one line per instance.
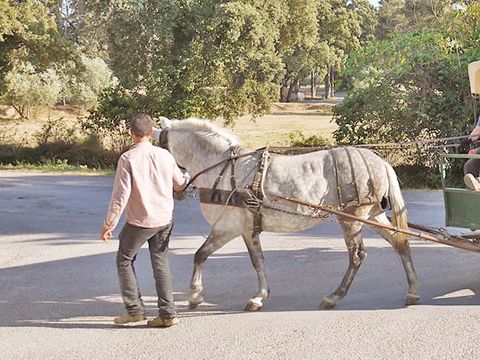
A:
(462, 206)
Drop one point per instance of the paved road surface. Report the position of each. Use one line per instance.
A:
(59, 291)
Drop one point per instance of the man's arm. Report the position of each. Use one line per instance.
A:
(475, 134)
(120, 195)
(180, 179)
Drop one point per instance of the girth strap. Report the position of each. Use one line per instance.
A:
(252, 198)
(223, 197)
(254, 202)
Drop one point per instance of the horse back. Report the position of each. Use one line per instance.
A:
(338, 176)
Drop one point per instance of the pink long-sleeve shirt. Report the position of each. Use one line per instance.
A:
(144, 180)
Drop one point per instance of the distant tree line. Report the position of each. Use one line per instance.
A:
(176, 57)
(219, 58)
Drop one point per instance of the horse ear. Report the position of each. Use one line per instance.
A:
(165, 122)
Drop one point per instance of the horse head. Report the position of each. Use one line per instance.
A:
(195, 144)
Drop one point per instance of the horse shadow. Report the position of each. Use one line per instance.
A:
(82, 292)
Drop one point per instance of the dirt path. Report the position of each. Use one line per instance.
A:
(60, 292)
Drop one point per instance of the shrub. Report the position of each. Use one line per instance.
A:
(298, 139)
(25, 88)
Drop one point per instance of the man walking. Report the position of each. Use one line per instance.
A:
(144, 180)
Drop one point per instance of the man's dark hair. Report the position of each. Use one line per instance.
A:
(141, 125)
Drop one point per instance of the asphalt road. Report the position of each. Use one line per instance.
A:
(59, 291)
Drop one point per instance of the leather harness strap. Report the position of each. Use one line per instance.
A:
(232, 172)
(232, 197)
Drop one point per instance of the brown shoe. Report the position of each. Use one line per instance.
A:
(159, 322)
(127, 318)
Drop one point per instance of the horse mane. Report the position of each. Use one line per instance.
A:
(208, 129)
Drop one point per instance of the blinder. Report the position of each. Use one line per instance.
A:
(163, 143)
(163, 139)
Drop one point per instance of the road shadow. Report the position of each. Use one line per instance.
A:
(83, 292)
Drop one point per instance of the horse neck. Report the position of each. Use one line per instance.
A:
(196, 153)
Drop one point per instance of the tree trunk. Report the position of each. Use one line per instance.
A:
(327, 84)
(290, 89)
(312, 84)
(332, 82)
(283, 93)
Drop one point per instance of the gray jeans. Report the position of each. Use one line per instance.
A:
(131, 240)
(472, 166)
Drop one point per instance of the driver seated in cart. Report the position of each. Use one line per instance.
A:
(471, 169)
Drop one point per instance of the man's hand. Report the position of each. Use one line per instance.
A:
(105, 234)
(464, 145)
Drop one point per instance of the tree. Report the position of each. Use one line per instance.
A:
(25, 87)
(298, 44)
(391, 18)
(195, 58)
(343, 25)
(400, 16)
(414, 78)
(84, 80)
(28, 34)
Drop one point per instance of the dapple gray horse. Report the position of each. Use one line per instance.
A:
(354, 180)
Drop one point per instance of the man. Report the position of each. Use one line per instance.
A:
(471, 169)
(144, 180)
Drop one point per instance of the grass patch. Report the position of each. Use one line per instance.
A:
(58, 166)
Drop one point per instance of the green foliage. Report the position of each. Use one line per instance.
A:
(85, 80)
(28, 35)
(412, 87)
(55, 166)
(198, 58)
(298, 139)
(61, 146)
(115, 105)
(417, 79)
(57, 152)
(402, 16)
(26, 87)
(58, 130)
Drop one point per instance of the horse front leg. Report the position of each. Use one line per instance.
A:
(215, 241)
(356, 253)
(256, 256)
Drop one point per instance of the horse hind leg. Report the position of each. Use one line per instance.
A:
(402, 249)
(214, 242)
(256, 256)
(357, 254)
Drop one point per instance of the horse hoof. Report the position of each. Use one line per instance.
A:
(194, 302)
(412, 300)
(327, 304)
(253, 305)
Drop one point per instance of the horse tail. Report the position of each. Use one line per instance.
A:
(397, 204)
